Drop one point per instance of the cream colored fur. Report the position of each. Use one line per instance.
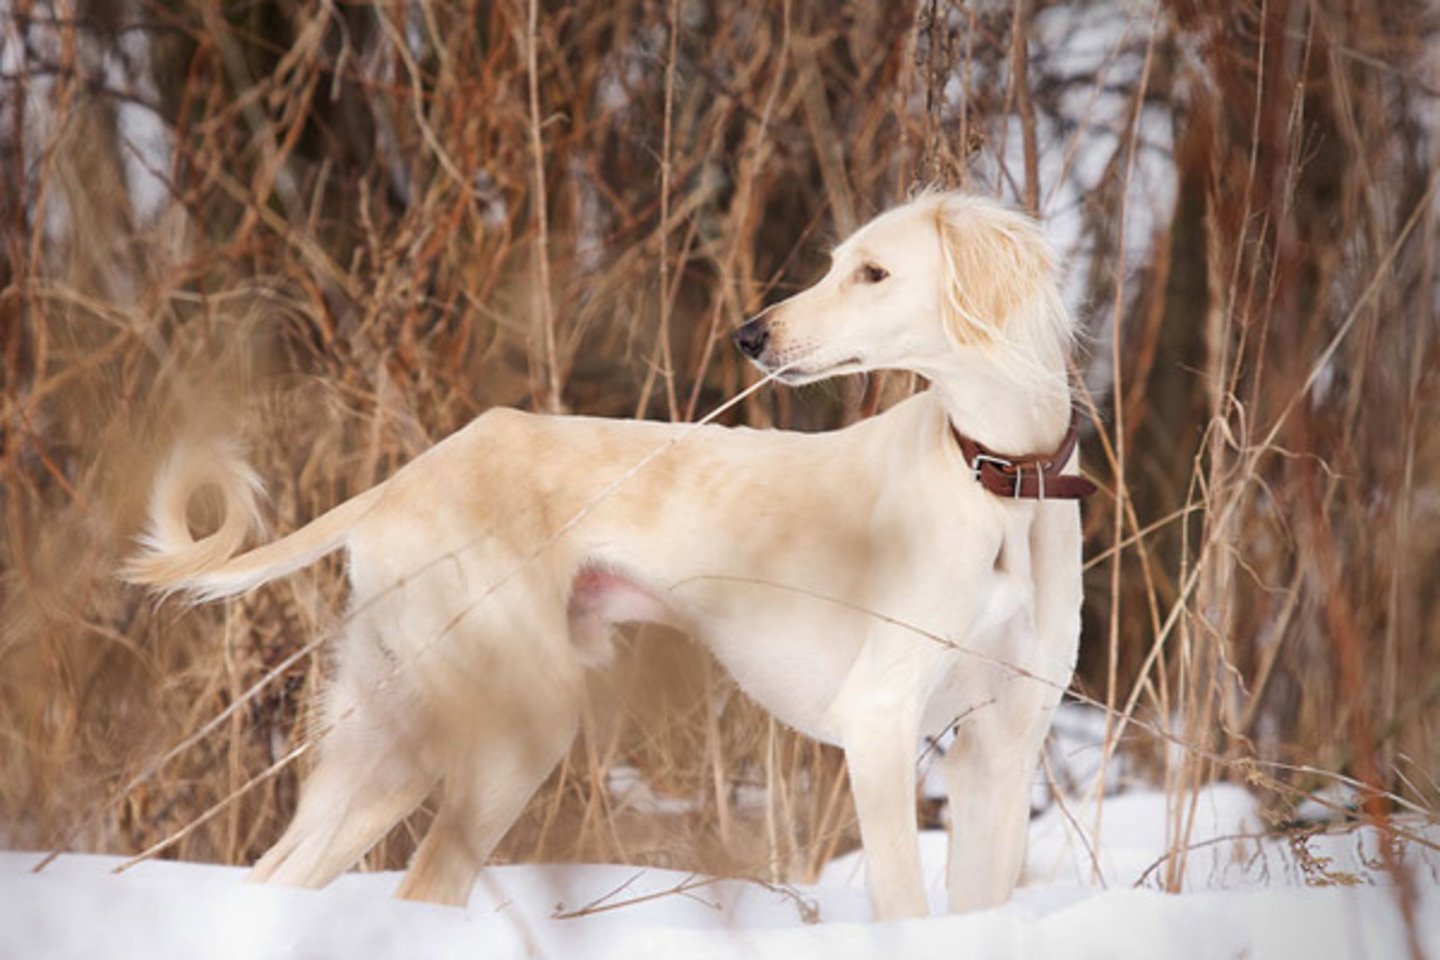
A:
(860, 584)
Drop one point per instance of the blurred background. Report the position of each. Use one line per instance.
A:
(341, 230)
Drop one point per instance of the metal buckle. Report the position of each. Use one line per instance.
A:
(1001, 464)
(983, 458)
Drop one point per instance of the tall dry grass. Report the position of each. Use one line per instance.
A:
(340, 231)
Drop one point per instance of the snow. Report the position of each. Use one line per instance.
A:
(147, 145)
(1247, 894)
(628, 789)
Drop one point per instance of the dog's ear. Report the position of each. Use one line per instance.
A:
(995, 261)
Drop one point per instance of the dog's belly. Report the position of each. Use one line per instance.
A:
(792, 669)
(792, 666)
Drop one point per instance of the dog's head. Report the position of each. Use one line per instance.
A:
(947, 281)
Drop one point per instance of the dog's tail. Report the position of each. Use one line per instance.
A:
(173, 561)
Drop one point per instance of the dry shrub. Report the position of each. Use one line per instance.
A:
(363, 224)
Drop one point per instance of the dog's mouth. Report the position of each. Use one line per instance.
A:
(795, 375)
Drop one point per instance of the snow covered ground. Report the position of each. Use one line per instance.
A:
(1246, 897)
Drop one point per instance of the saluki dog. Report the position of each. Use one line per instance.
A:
(868, 586)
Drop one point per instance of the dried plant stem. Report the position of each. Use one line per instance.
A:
(548, 394)
(667, 359)
(1118, 410)
(1023, 13)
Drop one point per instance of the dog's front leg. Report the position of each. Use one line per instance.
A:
(987, 772)
(879, 717)
(882, 779)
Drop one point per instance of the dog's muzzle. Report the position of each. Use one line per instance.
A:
(752, 337)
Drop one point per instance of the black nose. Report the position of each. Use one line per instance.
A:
(752, 337)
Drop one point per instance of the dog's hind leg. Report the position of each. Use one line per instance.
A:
(349, 802)
(486, 789)
(509, 688)
(369, 775)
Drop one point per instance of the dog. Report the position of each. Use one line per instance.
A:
(867, 586)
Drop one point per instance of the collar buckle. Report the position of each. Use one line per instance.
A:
(1005, 466)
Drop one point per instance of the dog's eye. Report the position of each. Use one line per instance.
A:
(872, 273)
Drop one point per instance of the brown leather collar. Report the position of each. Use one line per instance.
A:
(1035, 477)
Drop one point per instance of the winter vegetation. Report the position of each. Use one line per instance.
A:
(340, 231)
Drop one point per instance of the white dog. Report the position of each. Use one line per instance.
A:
(867, 586)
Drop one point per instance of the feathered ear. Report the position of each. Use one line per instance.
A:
(996, 262)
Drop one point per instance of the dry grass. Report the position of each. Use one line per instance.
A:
(376, 221)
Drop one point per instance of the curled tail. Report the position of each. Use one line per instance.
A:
(172, 560)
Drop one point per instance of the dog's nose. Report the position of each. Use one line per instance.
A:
(752, 337)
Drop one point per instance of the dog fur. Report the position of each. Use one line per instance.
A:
(860, 584)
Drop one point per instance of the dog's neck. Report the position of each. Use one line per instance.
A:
(1014, 419)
